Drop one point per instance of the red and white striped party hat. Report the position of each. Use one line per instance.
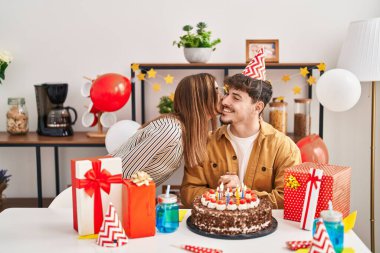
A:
(256, 67)
(111, 233)
(321, 240)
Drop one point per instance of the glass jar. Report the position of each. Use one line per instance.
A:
(302, 118)
(333, 221)
(278, 115)
(17, 116)
(167, 214)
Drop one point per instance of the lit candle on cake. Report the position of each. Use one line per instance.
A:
(228, 196)
(217, 194)
(237, 195)
(221, 188)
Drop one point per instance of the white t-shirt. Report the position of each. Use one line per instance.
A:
(243, 148)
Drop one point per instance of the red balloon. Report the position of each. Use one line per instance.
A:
(313, 149)
(110, 92)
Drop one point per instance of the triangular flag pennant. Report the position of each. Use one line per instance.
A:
(111, 233)
(256, 68)
(321, 240)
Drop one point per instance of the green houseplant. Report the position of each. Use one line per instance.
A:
(166, 105)
(197, 45)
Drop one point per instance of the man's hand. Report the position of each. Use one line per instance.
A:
(229, 181)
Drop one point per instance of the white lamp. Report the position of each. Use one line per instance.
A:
(360, 54)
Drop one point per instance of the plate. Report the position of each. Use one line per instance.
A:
(261, 233)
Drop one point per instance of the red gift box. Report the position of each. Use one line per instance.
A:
(335, 186)
(96, 181)
(139, 209)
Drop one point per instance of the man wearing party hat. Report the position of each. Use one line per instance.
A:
(246, 149)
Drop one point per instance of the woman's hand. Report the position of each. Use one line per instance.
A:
(229, 181)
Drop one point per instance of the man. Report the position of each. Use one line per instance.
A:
(246, 149)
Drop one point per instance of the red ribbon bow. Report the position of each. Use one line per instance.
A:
(313, 179)
(95, 181)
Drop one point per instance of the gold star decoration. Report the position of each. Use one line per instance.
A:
(281, 98)
(141, 76)
(135, 67)
(296, 90)
(226, 88)
(285, 78)
(171, 96)
(311, 80)
(321, 66)
(152, 73)
(304, 71)
(169, 79)
(156, 87)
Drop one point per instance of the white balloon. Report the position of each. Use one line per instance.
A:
(338, 90)
(119, 133)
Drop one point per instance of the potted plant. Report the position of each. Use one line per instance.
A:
(197, 46)
(166, 105)
(4, 179)
(5, 59)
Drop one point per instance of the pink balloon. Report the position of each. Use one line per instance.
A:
(313, 149)
(110, 92)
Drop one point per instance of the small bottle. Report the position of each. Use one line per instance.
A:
(302, 118)
(278, 116)
(333, 221)
(17, 116)
(167, 213)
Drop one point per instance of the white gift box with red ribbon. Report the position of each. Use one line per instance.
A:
(95, 182)
(311, 198)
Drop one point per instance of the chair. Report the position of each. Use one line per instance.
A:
(63, 200)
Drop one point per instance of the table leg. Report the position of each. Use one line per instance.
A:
(39, 186)
(56, 161)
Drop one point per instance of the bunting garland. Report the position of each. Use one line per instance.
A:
(306, 72)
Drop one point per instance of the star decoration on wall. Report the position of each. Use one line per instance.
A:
(156, 87)
(321, 66)
(296, 90)
(152, 73)
(171, 96)
(285, 78)
(169, 79)
(135, 67)
(311, 80)
(304, 71)
(141, 76)
(281, 98)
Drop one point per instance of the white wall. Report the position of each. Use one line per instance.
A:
(54, 41)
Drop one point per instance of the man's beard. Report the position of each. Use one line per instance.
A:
(225, 122)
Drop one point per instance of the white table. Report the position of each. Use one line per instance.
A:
(50, 230)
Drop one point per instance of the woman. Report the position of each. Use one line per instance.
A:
(159, 145)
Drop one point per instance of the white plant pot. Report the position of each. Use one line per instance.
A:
(197, 55)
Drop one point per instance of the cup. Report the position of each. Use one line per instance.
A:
(89, 119)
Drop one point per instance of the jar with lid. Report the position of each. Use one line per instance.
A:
(333, 221)
(278, 115)
(167, 214)
(17, 116)
(302, 118)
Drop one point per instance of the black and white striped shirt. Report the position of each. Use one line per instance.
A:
(156, 149)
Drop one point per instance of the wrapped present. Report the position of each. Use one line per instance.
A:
(95, 182)
(311, 198)
(335, 186)
(139, 201)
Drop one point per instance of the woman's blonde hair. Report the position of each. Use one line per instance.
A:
(196, 101)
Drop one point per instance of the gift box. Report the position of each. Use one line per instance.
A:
(96, 182)
(335, 186)
(139, 209)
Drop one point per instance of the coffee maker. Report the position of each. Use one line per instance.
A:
(53, 118)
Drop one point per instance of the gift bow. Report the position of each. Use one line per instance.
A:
(313, 179)
(96, 178)
(140, 178)
(292, 182)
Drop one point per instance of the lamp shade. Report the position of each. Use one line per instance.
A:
(360, 53)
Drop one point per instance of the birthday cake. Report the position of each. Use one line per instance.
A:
(231, 212)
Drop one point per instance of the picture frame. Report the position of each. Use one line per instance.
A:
(271, 49)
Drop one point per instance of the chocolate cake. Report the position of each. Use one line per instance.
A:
(230, 215)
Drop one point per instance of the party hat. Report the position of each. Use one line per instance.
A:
(256, 67)
(111, 233)
(321, 241)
